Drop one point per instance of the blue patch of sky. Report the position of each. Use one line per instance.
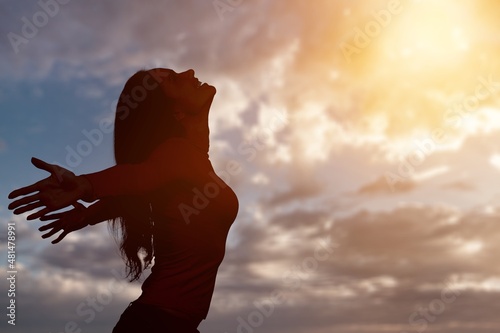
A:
(43, 119)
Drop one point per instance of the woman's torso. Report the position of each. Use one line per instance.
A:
(191, 223)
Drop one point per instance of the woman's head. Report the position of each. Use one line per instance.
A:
(144, 118)
(154, 105)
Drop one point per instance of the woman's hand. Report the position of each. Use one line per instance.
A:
(67, 221)
(61, 189)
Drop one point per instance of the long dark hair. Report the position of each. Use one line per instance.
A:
(144, 119)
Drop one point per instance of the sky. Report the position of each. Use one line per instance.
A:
(367, 135)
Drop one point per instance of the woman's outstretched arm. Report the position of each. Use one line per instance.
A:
(173, 160)
(80, 217)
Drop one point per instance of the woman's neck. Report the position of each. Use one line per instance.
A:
(198, 134)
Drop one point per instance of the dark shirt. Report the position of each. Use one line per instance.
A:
(192, 209)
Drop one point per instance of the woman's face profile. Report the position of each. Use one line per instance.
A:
(187, 92)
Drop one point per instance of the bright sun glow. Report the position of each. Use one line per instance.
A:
(432, 32)
(421, 72)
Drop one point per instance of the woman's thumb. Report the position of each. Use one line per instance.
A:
(41, 164)
(52, 168)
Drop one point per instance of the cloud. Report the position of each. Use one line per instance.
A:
(54, 281)
(381, 186)
(50, 298)
(295, 192)
(459, 186)
(97, 260)
(384, 266)
(257, 50)
(380, 264)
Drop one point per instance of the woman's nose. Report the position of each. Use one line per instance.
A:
(188, 73)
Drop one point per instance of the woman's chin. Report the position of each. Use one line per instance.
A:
(208, 86)
(211, 91)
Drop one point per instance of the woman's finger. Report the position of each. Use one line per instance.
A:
(56, 216)
(25, 190)
(27, 208)
(51, 232)
(52, 168)
(24, 201)
(48, 226)
(60, 238)
(39, 214)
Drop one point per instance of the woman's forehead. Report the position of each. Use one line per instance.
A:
(164, 70)
(162, 74)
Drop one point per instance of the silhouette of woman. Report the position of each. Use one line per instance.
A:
(162, 195)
